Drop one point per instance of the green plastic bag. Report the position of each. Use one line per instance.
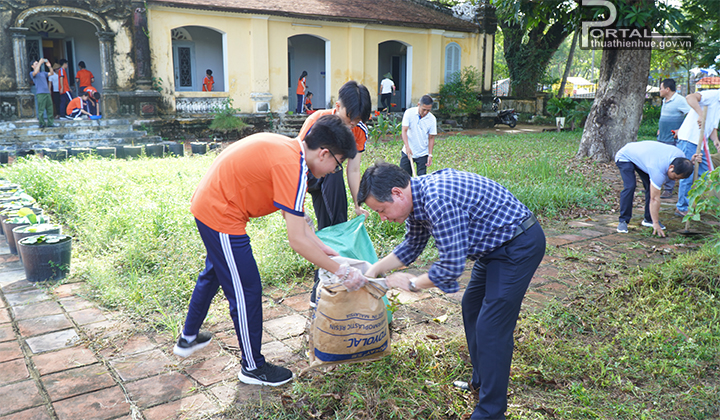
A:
(351, 240)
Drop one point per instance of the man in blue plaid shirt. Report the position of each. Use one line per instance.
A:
(470, 217)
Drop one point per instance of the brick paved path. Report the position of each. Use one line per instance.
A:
(63, 357)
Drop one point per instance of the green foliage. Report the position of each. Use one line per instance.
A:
(45, 239)
(384, 125)
(704, 196)
(651, 112)
(560, 107)
(224, 119)
(460, 96)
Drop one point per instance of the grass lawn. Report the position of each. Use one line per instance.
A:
(644, 350)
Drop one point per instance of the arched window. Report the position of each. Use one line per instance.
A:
(452, 61)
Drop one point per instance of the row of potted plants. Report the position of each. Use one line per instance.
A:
(129, 152)
(44, 251)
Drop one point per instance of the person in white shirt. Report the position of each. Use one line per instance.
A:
(387, 89)
(55, 91)
(672, 114)
(419, 128)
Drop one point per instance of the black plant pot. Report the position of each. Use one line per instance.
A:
(46, 261)
(22, 232)
(155, 150)
(4, 154)
(119, 151)
(133, 151)
(215, 146)
(177, 149)
(56, 154)
(198, 148)
(106, 152)
(8, 227)
(79, 152)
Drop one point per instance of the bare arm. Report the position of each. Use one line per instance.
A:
(405, 140)
(50, 69)
(390, 262)
(353, 177)
(655, 211)
(431, 146)
(693, 100)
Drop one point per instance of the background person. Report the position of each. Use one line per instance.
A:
(208, 81)
(308, 107)
(419, 128)
(93, 102)
(65, 94)
(263, 173)
(672, 114)
(470, 217)
(42, 92)
(84, 77)
(387, 90)
(55, 90)
(300, 92)
(78, 107)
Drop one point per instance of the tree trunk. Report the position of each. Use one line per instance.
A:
(561, 92)
(616, 113)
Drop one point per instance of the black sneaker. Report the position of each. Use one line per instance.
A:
(185, 349)
(267, 374)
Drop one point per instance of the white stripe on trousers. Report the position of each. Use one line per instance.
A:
(239, 301)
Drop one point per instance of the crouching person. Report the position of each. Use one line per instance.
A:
(470, 217)
(78, 107)
(254, 177)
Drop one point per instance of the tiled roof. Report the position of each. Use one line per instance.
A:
(709, 81)
(412, 13)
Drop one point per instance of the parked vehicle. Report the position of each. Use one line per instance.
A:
(505, 116)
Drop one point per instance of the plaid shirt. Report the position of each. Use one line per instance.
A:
(467, 214)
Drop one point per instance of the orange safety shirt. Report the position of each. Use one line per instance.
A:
(252, 178)
(360, 131)
(63, 80)
(208, 83)
(76, 103)
(301, 86)
(85, 77)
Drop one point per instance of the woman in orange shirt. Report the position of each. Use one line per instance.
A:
(302, 87)
(208, 82)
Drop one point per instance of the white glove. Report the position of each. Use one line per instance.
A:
(351, 277)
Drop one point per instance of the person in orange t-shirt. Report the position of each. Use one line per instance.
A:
(64, 81)
(300, 91)
(84, 77)
(254, 177)
(93, 102)
(78, 107)
(208, 81)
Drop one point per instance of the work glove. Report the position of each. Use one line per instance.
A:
(351, 277)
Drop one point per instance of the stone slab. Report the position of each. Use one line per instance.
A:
(68, 289)
(37, 413)
(4, 316)
(53, 341)
(214, 370)
(88, 316)
(24, 395)
(159, 389)
(48, 307)
(8, 277)
(141, 365)
(69, 358)
(100, 405)
(72, 382)
(6, 333)
(42, 325)
(26, 297)
(10, 351)
(299, 302)
(13, 371)
(126, 346)
(75, 303)
(286, 327)
(195, 406)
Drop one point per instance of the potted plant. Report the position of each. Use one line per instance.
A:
(79, 152)
(24, 216)
(46, 257)
(106, 152)
(24, 231)
(560, 108)
(155, 150)
(133, 151)
(56, 154)
(177, 149)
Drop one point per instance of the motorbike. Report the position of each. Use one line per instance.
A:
(505, 116)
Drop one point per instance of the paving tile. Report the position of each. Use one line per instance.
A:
(23, 395)
(17, 286)
(225, 393)
(53, 341)
(298, 302)
(8, 277)
(214, 370)
(159, 389)
(4, 316)
(272, 310)
(10, 351)
(409, 297)
(572, 238)
(106, 330)
(556, 241)
(75, 303)
(100, 405)
(26, 297)
(36, 326)
(6, 333)
(72, 382)
(125, 346)
(68, 289)
(287, 326)
(69, 358)
(277, 352)
(48, 307)
(141, 365)
(13, 371)
(195, 406)
(87, 316)
(590, 233)
(296, 343)
(37, 413)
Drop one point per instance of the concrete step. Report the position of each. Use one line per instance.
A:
(19, 124)
(90, 142)
(48, 135)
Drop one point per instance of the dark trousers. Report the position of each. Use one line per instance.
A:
(420, 164)
(65, 99)
(490, 307)
(230, 264)
(300, 101)
(627, 195)
(56, 102)
(385, 99)
(329, 199)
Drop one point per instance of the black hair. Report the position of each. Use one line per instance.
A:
(208, 72)
(669, 83)
(85, 93)
(682, 167)
(96, 95)
(379, 180)
(308, 93)
(329, 132)
(62, 61)
(356, 100)
(304, 73)
(426, 100)
(81, 64)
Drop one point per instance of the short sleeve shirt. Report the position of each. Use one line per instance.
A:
(259, 175)
(689, 131)
(64, 84)
(76, 103)
(41, 82)
(300, 88)
(360, 132)
(85, 77)
(418, 131)
(386, 86)
(651, 157)
(55, 82)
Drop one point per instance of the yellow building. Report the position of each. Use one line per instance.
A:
(258, 49)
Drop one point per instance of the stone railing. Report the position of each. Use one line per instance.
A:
(197, 106)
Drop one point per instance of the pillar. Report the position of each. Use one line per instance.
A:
(22, 67)
(141, 48)
(111, 100)
(487, 21)
(260, 92)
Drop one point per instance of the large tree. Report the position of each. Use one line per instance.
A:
(616, 113)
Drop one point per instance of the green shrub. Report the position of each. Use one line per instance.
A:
(224, 119)
(459, 96)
